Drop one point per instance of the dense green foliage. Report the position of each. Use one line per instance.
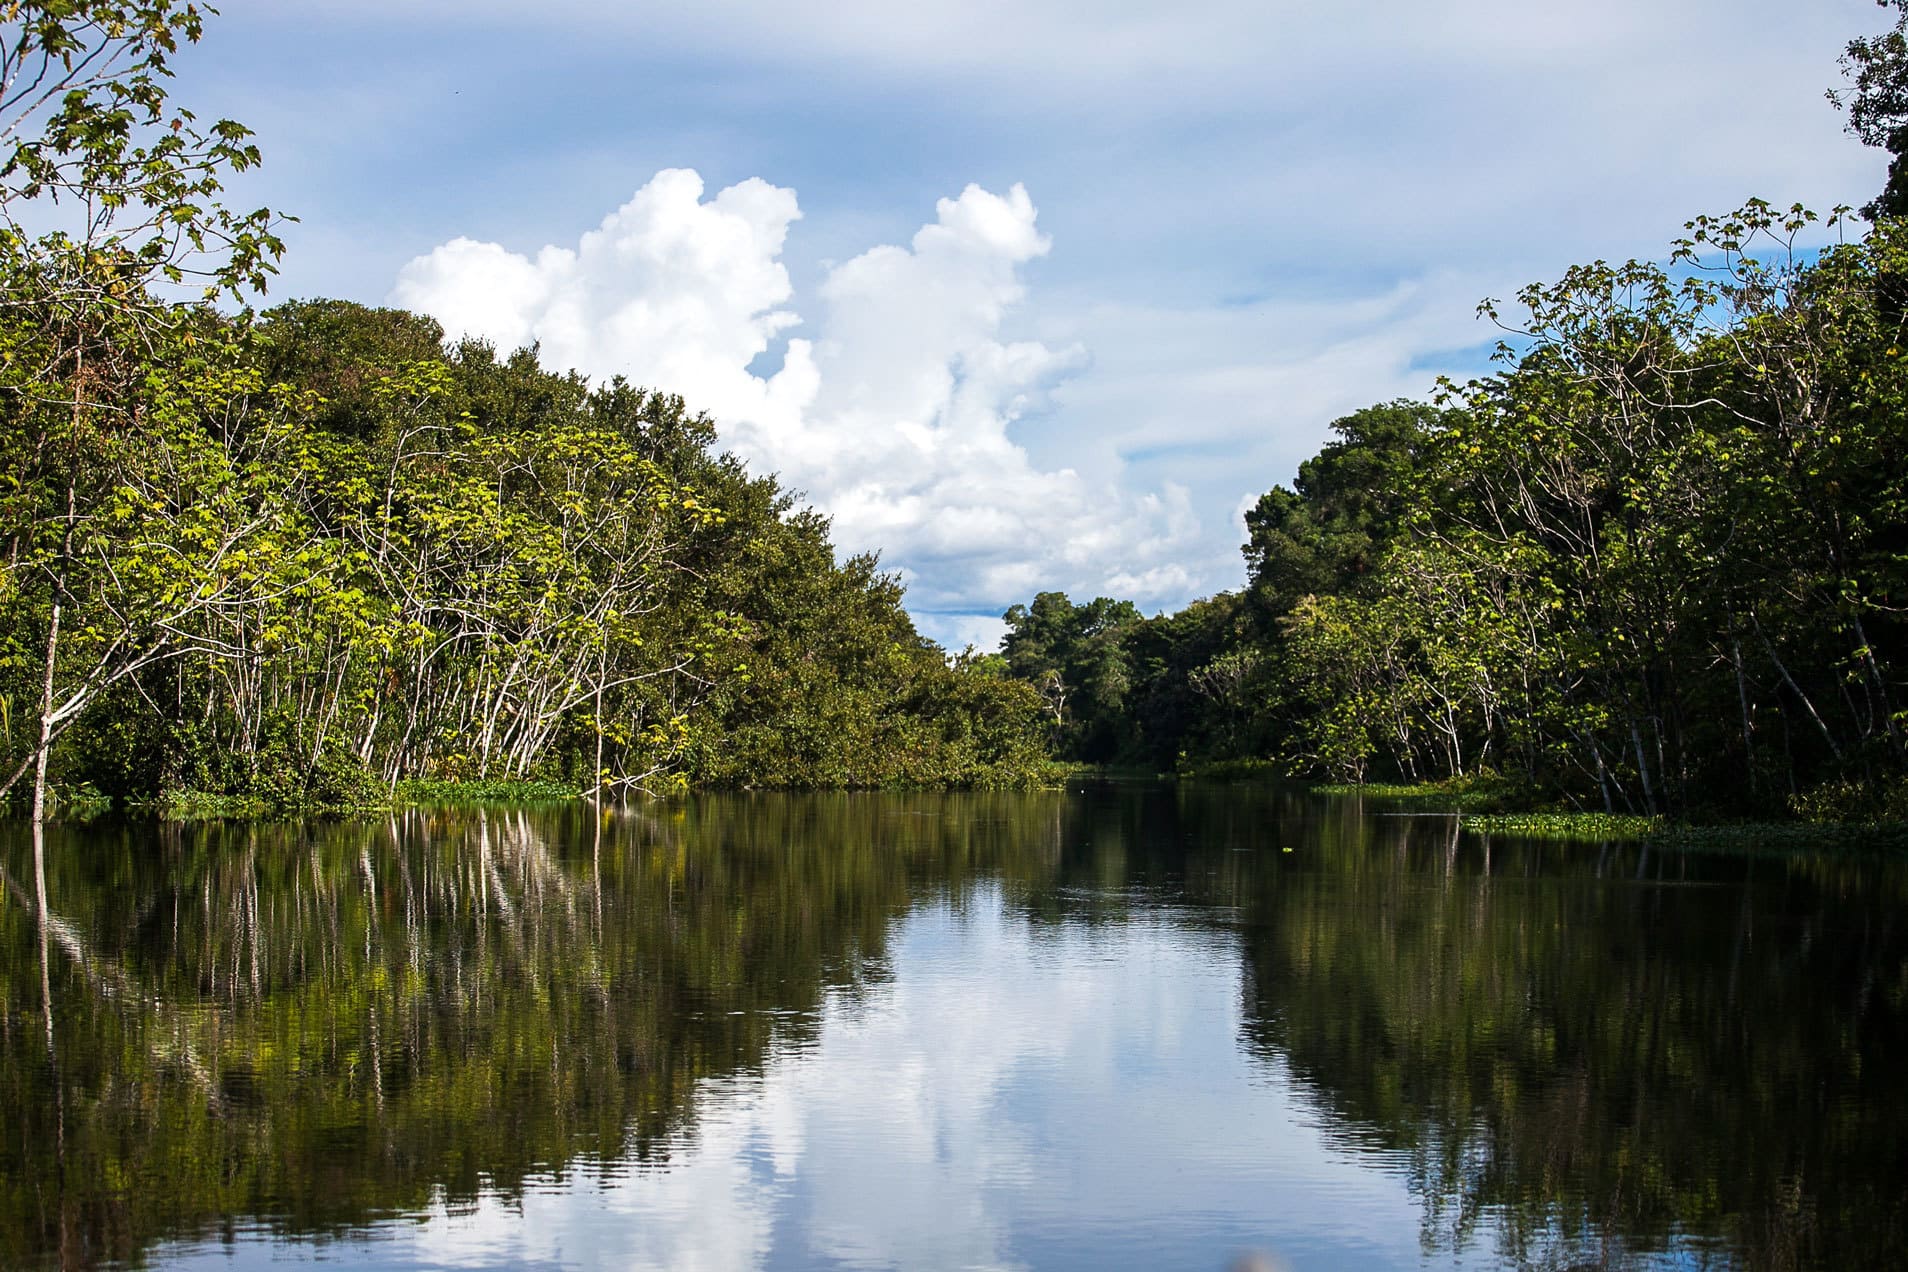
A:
(1654, 565)
(291, 561)
(341, 555)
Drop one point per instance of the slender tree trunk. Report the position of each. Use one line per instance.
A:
(1876, 678)
(53, 637)
(1642, 767)
(1742, 702)
(59, 594)
(1801, 697)
(45, 744)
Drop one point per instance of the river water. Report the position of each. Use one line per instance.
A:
(1124, 1026)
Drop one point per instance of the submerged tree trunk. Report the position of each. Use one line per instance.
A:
(45, 915)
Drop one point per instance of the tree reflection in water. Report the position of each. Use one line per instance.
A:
(1589, 1054)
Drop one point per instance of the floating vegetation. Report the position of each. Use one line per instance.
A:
(1782, 838)
(74, 801)
(1217, 770)
(495, 791)
(1480, 795)
(1770, 838)
(196, 805)
(178, 805)
(1586, 826)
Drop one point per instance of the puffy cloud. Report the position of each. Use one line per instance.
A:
(669, 290)
(893, 412)
(1266, 215)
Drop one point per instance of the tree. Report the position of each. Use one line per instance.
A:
(1200, 682)
(93, 146)
(1328, 531)
(1078, 658)
(1877, 105)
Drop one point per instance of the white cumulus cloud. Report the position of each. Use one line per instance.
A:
(892, 410)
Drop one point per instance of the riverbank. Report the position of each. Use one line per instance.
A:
(85, 803)
(1489, 806)
(1484, 805)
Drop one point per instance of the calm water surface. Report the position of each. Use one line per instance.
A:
(1129, 1026)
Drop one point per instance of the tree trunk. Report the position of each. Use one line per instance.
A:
(46, 718)
(58, 598)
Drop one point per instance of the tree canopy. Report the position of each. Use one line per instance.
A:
(1653, 564)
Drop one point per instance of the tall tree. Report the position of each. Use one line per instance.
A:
(91, 145)
(1078, 658)
(1329, 529)
(1877, 104)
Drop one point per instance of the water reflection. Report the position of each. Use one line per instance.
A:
(1122, 1028)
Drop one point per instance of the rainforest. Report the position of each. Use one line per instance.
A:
(456, 811)
(317, 555)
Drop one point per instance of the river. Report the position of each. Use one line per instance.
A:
(1121, 1026)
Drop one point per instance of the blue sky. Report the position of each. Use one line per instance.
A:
(1165, 245)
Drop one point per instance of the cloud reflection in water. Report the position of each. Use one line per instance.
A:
(1015, 1095)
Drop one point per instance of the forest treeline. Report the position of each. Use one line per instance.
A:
(1654, 564)
(293, 559)
(307, 560)
(1658, 563)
